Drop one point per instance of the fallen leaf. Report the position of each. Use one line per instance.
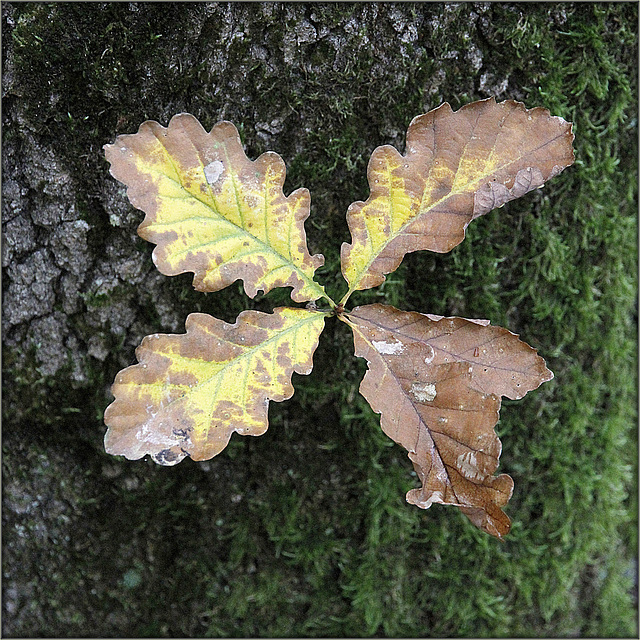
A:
(440, 401)
(212, 211)
(190, 392)
(457, 166)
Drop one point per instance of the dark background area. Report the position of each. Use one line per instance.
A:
(305, 531)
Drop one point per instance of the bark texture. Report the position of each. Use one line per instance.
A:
(97, 546)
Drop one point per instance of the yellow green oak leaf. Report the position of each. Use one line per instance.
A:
(212, 211)
(191, 391)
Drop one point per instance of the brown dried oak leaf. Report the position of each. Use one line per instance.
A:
(458, 165)
(437, 384)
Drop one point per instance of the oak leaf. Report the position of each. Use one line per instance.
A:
(457, 166)
(190, 392)
(437, 384)
(212, 211)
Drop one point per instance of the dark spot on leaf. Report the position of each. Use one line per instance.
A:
(166, 456)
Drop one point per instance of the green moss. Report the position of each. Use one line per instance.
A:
(304, 531)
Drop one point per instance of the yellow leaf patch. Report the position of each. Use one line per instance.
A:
(212, 211)
(191, 391)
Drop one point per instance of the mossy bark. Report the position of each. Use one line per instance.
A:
(305, 530)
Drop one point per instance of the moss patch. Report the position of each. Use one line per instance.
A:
(304, 531)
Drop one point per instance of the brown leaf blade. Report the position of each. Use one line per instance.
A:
(212, 211)
(437, 384)
(190, 392)
(457, 166)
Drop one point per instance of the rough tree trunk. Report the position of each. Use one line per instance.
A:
(101, 547)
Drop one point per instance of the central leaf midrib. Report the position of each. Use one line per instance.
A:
(413, 406)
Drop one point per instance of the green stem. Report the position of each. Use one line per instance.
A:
(332, 304)
(346, 296)
(324, 295)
